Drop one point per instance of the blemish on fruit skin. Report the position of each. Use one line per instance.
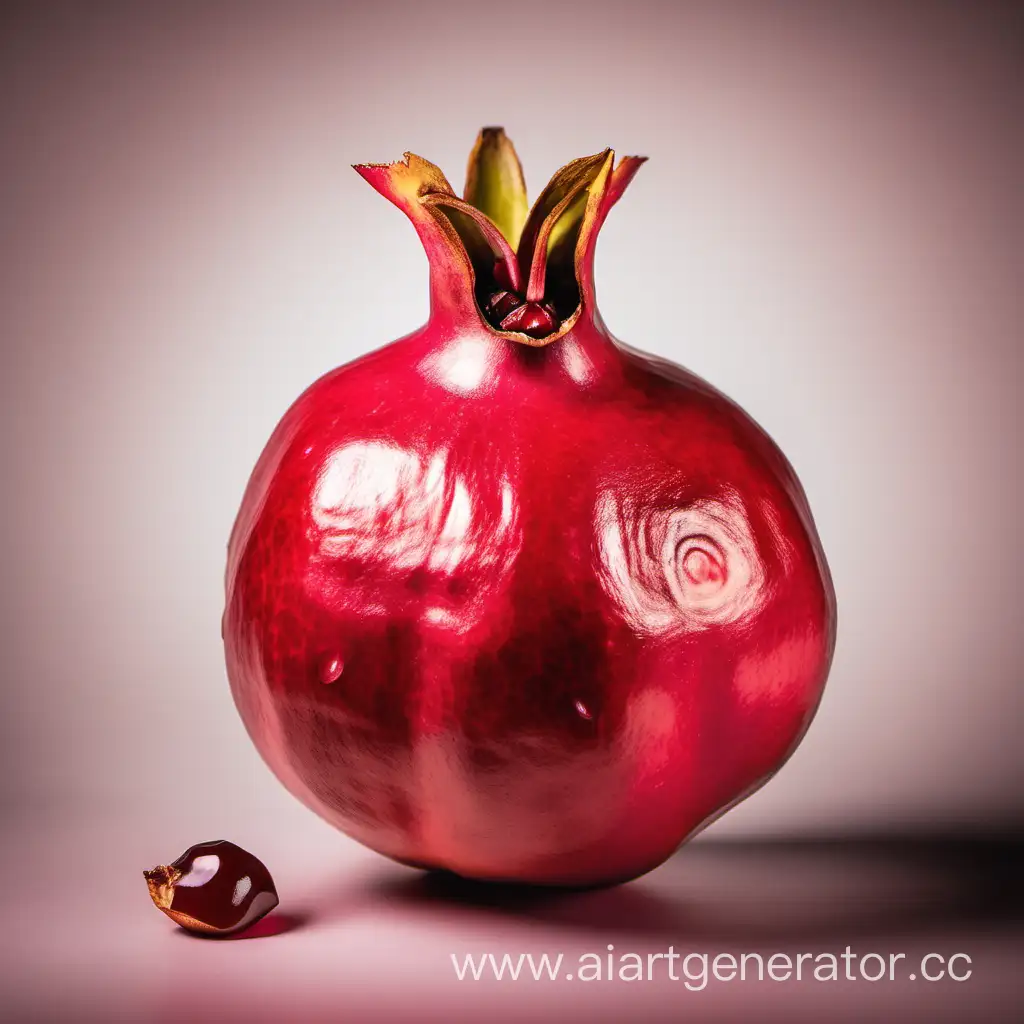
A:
(331, 667)
(701, 567)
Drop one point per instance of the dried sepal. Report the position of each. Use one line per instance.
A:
(569, 181)
(604, 192)
(566, 214)
(489, 231)
(405, 182)
(495, 183)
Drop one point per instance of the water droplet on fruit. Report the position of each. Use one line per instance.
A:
(308, 450)
(583, 711)
(331, 668)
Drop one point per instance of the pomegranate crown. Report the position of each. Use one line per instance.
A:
(526, 273)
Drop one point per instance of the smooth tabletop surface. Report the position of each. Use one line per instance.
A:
(357, 938)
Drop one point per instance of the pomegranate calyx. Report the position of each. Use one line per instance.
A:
(486, 245)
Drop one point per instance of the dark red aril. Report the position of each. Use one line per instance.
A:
(500, 304)
(531, 318)
(213, 888)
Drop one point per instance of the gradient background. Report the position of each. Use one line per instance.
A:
(829, 229)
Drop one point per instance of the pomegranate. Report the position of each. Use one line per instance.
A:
(508, 597)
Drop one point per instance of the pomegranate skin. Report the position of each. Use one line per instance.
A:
(532, 614)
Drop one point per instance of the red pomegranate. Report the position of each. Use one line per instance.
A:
(507, 597)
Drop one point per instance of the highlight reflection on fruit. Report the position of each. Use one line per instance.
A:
(507, 597)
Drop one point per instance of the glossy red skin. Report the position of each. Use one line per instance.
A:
(459, 624)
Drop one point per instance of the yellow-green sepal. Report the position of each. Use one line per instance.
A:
(495, 184)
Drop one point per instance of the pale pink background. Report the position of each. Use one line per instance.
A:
(828, 229)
